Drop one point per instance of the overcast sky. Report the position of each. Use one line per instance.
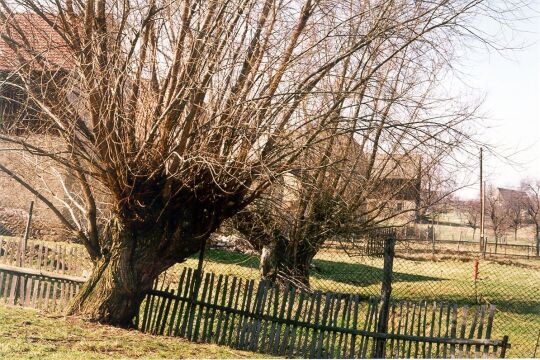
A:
(510, 83)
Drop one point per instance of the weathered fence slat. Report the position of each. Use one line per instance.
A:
(304, 331)
(453, 331)
(293, 328)
(471, 331)
(236, 297)
(263, 317)
(181, 317)
(222, 313)
(290, 322)
(489, 327)
(209, 329)
(243, 318)
(480, 329)
(207, 310)
(230, 302)
(155, 311)
(463, 328)
(176, 301)
(424, 325)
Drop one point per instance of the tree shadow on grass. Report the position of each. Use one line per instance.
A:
(365, 275)
(232, 258)
(360, 274)
(338, 271)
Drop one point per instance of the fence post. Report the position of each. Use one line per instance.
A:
(24, 241)
(198, 275)
(386, 291)
(504, 346)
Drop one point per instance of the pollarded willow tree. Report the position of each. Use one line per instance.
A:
(385, 173)
(170, 116)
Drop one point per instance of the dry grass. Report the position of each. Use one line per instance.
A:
(28, 334)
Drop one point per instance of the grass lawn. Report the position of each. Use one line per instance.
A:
(28, 334)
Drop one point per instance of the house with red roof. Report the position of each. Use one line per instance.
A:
(30, 45)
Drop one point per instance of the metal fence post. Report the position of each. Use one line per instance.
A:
(386, 291)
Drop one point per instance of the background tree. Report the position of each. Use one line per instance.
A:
(516, 215)
(171, 116)
(471, 209)
(532, 206)
(497, 213)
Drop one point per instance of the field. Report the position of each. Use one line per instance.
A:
(525, 235)
(28, 334)
(514, 288)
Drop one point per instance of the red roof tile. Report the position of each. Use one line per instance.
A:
(44, 41)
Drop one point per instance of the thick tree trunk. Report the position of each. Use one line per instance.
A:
(131, 261)
(282, 263)
(112, 294)
(285, 258)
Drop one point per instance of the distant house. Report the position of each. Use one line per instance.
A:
(44, 58)
(513, 199)
(395, 181)
(42, 54)
(394, 184)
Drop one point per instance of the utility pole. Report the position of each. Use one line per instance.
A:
(482, 202)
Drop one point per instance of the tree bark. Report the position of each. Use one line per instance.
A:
(129, 264)
(282, 264)
(111, 295)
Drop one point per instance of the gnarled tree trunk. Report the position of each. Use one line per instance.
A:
(132, 259)
(112, 294)
(284, 262)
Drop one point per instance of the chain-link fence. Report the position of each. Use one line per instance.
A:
(513, 285)
(423, 270)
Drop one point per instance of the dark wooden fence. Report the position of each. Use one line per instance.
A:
(258, 316)
(37, 289)
(40, 275)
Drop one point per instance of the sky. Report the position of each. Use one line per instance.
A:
(509, 82)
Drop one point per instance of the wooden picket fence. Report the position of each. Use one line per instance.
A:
(40, 275)
(37, 289)
(49, 257)
(258, 316)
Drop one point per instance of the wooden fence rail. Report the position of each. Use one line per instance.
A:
(465, 248)
(259, 316)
